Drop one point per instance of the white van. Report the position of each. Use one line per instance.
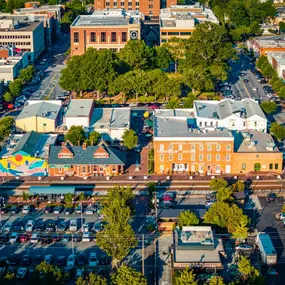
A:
(26, 209)
(73, 226)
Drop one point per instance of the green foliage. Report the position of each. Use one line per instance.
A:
(25, 196)
(92, 279)
(218, 183)
(130, 139)
(93, 138)
(185, 277)
(6, 125)
(8, 97)
(268, 107)
(216, 280)
(238, 186)
(246, 270)
(127, 275)
(15, 87)
(282, 27)
(75, 135)
(151, 161)
(173, 103)
(68, 198)
(162, 57)
(278, 131)
(14, 4)
(27, 73)
(188, 218)
(225, 194)
(137, 55)
(189, 101)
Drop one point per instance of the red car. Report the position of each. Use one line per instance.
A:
(154, 107)
(24, 238)
(166, 198)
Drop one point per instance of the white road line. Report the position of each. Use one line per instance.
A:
(239, 90)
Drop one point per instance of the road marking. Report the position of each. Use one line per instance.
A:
(239, 90)
(245, 88)
(3, 246)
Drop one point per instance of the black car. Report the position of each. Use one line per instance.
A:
(13, 259)
(48, 209)
(40, 227)
(4, 238)
(68, 211)
(81, 260)
(55, 238)
(18, 226)
(3, 261)
(45, 239)
(37, 260)
(14, 209)
(76, 238)
(50, 227)
(4, 210)
(26, 260)
(271, 197)
(61, 260)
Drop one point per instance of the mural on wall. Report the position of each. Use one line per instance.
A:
(22, 164)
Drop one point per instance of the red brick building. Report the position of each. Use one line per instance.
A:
(85, 161)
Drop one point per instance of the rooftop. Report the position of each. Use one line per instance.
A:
(267, 243)
(9, 22)
(245, 108)
(10, 61)
(278, 56)
(110, 118)
(270, 41)
(39, 8)
(79, 108)
(33, 143)
(45, 109)
(254, 141)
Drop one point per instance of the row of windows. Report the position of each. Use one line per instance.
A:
(271, 165)
(103, 37)
(15, 36)
(16, 43)
(211, 124)
(89, 169)
(176, 33)
(200, 157)
(193, 147)
(122, 4)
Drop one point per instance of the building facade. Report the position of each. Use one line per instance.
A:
(26, 34)
(85, 161)
(277, 60)
(109, 29)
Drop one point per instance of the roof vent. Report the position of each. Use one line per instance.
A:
(251, 144)
(270, 146)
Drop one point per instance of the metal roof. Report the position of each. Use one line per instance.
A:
(79, 108)
(266, 243)
(51, 190)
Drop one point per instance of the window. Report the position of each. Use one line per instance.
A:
(161, 147)
(103, 37)
(170, 157)
(244, 124)
(161, 157)
(233, 124)
(173, 33)
(163, 40)
(200, 124)
(83, 168)
(60, 170)
(122, 4)
(218, 147)
(76, 37)
(192, 157)
(163, 33)
(271, 166)
(228, 157)
(180, 146)
(129, 3)
(209, 157)
(276, 166)
(218, 157)
(179, 156)
(201, 147)
(209, 147)
(255, 124)
(113, 49)
(193, 147)
(218, 168)
(185, 33)
(150, 6)
(171, 146)
(243, 166)
(93, 37)
(107, 3)
(124, 37)
(137, 3)
(113, 37)
(201, 157)
(115, 4)
(228, 147)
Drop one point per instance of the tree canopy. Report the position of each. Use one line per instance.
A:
(130, 139)
(6, 125)
(188, 218)
(278, 131)
(75, 135)
(268, 107)
(93, 139)
(218, 183)
(185, 277)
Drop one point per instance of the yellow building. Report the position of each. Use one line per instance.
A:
(39, 116)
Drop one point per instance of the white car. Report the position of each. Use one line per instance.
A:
(133, 104)
(93, 261)
(254, 88)
(86, 237)
(282, 216)
(35, 238)
(7, 227)
(48, 259)
(73, 225)
(85, 228)
(26, 209)
(14, 237)
(21, 273)
(71, 260)
(29, 226)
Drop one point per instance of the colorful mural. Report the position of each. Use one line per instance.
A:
(22, 164)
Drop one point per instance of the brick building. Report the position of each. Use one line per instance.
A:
(108, 29)
(85, 161)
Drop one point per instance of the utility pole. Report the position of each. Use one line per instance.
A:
(143, 254)
(81, 216)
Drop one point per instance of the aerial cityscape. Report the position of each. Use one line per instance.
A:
(142, 142)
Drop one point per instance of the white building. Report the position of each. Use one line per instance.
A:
(230, 114)
(78, 113)
(277, 60)
(11, 66)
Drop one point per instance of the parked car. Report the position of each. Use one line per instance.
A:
(51, 227)
(81, 260)
(89, 211)
(24, 237)
(48, 209)
(77, 238)
(40, 227)
(4, 210)
(86, 237)
(244, 247)
(66, 238)
(14, 237)
(79, 209)
(71, 260)
(61, 261)
(14, 210)
(57, 210)
(26, 209)
(13, 259)
(35, 238)
(61, 227)
(48, 259)
(37, 260)
(85, 228)
(18, 226)
(45, 239)
(29, 226)
(98, 227)
(21, 273)
(73, 225)
(271, 197)
(55, 238)
(93, 260)
(7, 227)
(4, 238)
(25, 260)
(68, 211)
(79, 273)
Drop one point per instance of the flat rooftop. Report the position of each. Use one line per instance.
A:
(267, 244)
(21, 23)
(44, 109)
(253, 141)
(270, 41)
(40, 8)
(110, 118)
(279, 57)
(10, 61)
(79, 108)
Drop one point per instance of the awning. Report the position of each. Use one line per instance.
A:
(34, 190)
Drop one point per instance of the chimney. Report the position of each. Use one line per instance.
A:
(84, 146)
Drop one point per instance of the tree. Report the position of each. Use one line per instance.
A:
(173, 103)
(127, 275)
(283, 208)
(277, 84)
(281, 92)
(8, 97)
(188, 218)
(25, 196)
(94, 279)
(268, 107)
(189, 100)
(137, 55)
(278, 131)
(246, 269)
(224, 194)
(27, 73)
(218, 183)
(94, 138)
(238, 186)
(75, 135)
(15, 87)
(68, 198)
(130, 139)
(162, 57)
(216, 280)
(185, 277)
(282, 27)
(6, 125)
(261, 60)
